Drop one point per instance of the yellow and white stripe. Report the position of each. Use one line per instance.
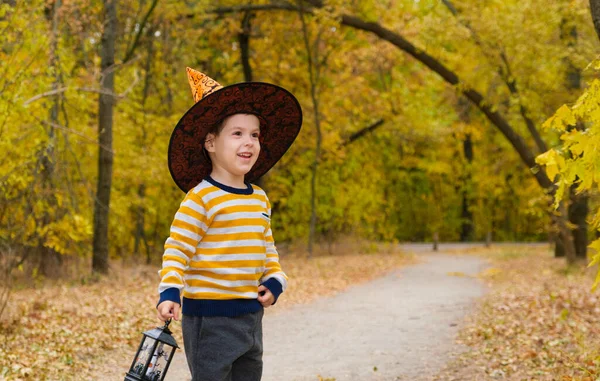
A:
(221, 245)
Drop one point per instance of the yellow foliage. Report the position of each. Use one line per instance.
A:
(561, 120)
(402, 181)
(578, 161)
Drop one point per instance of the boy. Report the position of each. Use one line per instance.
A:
(220, 255)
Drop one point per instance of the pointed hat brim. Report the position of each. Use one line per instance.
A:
(280, 118)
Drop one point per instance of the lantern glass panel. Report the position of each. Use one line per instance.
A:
(158, 364)
(144, 355)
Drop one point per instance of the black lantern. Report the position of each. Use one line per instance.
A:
(154, 355)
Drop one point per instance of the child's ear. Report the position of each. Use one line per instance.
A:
(209, 143)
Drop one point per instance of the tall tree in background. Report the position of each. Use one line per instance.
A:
(578, 202)
(140, 209)
(488, 108)
(51, 259)
(244, 41)
(105, 132)
(106, 105)
(467, 223)
(314, 71)
(577, 208)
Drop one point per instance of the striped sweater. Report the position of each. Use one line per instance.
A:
(220, 250)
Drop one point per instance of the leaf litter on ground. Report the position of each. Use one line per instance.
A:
(83, 332)
(540, 321)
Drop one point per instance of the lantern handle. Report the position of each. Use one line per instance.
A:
(166, 327)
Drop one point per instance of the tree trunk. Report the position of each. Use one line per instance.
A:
(595, 11)
(140, 211)
(488, 239)
(313, 72)
(559, 247)
(565, 234)
(244, 40)
(140, 235)
(578, 206)
(578, 211)
(51, 260)
(466, 231)
(105, 125)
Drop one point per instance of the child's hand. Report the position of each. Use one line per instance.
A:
(167, 310)
(265, 297)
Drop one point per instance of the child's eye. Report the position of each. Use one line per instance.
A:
(255, 135)
(237, 133)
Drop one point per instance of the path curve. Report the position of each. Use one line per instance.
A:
(399, 327)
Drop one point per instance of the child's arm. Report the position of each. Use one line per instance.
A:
(187, 229)
(274, 279)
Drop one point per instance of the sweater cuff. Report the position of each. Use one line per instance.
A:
(274, 286)
(171, 294)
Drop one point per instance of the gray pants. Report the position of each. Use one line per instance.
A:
(220, 348)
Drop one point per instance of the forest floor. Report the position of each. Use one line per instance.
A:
(540, 321)
(509, 312)
(86, 329)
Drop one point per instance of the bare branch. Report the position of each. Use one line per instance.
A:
(135, 81)
(255, 7)
(362, 132)
(244, 40)
(84, 89)
(63, 128)
(46, 94)
(114, 67)
(136, 40)
(450, 7)
(506, 75)
(511, 83)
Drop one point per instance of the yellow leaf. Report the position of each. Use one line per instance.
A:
(552, 171)
(561, 119)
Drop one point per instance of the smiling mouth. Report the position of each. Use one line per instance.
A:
(245, 155)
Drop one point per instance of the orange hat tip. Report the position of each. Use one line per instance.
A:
(191, 70)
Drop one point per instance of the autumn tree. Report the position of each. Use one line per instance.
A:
(402, 153)
(489, 109)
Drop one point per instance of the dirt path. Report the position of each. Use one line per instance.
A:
(400, 327)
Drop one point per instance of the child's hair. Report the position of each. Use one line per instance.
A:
(215, 130)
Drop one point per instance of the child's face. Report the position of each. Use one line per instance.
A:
(235, 149)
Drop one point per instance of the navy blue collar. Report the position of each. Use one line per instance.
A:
(227, 188)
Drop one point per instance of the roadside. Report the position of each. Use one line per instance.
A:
(540, 321)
